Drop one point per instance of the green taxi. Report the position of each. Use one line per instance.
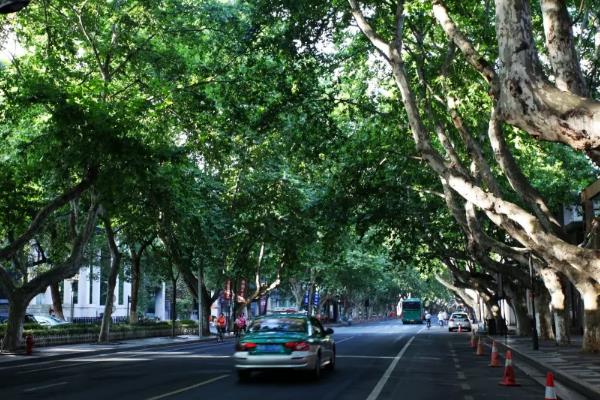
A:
(287, 341)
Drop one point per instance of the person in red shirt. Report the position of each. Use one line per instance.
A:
(221, 325)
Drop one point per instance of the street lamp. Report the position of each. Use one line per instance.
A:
(534, 333)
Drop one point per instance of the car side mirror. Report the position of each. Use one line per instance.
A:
(329, 331)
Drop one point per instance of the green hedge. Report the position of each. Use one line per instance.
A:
(77, 329)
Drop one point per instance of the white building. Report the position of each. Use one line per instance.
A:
(84, 296)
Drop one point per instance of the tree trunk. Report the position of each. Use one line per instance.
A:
(173, 306)
(590, 294)
(39, 284)
(16, 313)
(135, 286)
(115, 261)
(561, 327)
(517, 299)
(57, 301)
(544, 317)
(558, 304)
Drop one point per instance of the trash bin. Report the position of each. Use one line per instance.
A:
(491, 326)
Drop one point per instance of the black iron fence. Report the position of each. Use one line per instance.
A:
(98, 320)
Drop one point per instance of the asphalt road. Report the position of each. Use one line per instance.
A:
(383, 360)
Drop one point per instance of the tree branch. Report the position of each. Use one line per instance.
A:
(10, 250)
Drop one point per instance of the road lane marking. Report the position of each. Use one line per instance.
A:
(469, 397)
(388, 372)
(465, 386)
(162, 396)
(344, 340)
(44, 387)
(461, 375)
(56, 367)
(369, 357)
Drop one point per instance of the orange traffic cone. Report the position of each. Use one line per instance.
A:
(550, 392)
(480, 351)
(495, 360)
(508, 379)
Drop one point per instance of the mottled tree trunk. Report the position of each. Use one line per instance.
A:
(555, 285)
(16, 312)
(517, 300)
(590, 294)
(57, 303)
(543, 316)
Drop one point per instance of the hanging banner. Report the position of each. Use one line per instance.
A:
(316, 298)
(305, 300)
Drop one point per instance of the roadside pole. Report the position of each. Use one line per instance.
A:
(536, 345)
(200, 306)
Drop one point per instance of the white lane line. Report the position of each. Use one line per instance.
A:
(388, 372)
(58, 366)
(162, 396)
(465, 386)
(469, 397)
(344, 340)
(461, 375)
(369, 357)
(44, 387)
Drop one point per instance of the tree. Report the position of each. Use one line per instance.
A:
(536, 229)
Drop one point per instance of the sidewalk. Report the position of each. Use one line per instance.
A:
(41, 354)
(572, 368)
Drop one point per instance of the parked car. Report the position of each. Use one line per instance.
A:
(285, 341)
(459, 319)
(45, 320)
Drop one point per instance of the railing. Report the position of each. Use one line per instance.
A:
(60, 339)
(98, 320)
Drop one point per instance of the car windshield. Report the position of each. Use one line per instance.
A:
(459, 316)
(279, 325)
(411, 305)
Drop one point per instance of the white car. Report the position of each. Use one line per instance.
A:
(47, 321)
(459, 319)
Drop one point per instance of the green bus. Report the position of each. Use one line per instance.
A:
(412, 311)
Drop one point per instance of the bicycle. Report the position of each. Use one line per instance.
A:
(220, 334)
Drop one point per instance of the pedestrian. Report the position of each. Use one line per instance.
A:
(221, 325)
(240, 325)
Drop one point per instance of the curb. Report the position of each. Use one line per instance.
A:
(37, 359)
(565, 378)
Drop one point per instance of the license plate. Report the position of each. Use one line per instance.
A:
(268, 348)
